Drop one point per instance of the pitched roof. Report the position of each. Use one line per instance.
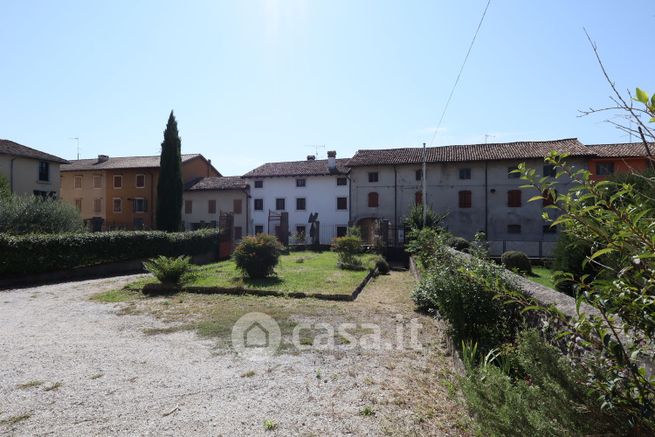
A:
(8, 147)
(318, 167)
(621, 150)
(121, 162)
(217, 184)
(469, 152)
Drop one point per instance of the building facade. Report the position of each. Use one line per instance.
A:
(300, 189)
(30, 171)
(473, 185)
(611, 159)
(121, 192)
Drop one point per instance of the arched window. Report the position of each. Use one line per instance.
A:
(373, 200)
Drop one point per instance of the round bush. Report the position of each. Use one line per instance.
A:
(458, 243)
(257, 256)
(516, 260)
(382, 265)
(348, 249)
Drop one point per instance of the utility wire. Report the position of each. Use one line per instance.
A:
(459, 75)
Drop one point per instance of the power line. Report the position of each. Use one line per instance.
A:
(452, 91)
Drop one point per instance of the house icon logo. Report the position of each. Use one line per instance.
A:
(256, 335)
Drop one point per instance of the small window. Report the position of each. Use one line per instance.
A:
(300, 204)
(342, 203)
(513, 229)
(373, 176)
(44, 171)
(465, 173)
(259, 229)
(549, 170)
(118, 205)
(300, 182)
(514, 198)
(300, 231)
(236, 206)
(511, 172)
(140, 181)
(605, 168)
(97, 205)
(419, 174)
(118, 181)
(78, 182)
(211, 206)
(259, 184)
(342, 231)
(465, 199)
(373, 200)
(78, 204)
(188, 206)
(238, 233)
(280, 204)
(140, 205)
(259, 204)
(342, 181)
(548, 229)
(418, 198)
(97, 181)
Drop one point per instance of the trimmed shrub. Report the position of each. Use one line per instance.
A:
(170, 271)
(382, 265)
(38, 253)
(256, 256)
(34, 214)
(516, 260)
(458, 243)
(348, 249)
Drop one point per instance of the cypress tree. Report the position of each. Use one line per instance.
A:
(170, 187)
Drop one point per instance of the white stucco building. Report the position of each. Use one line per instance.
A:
(30, 171)
(300, 188)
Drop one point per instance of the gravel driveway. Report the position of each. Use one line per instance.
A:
(70, 366)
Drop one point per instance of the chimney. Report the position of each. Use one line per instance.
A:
(332, 160)
(311, 157)
(102, 158)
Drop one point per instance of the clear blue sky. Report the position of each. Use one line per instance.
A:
(256, 81)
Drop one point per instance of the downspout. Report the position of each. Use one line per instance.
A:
(350, 200)
(245, 191)
(486, 202)
(395, 203)
(11, 174)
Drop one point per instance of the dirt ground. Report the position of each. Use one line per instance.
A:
(70, 365)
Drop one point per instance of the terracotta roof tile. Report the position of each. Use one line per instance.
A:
(317, 167)
(114, 163)
(217, 184)
(621, 150)
(8, 147)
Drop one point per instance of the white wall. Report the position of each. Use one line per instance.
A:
(26, 175)
(320, 193)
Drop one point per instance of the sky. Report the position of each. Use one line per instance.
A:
(255, 81)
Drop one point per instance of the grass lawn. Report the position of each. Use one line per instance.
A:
(543, 276)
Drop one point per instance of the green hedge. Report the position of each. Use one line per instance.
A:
(38, 253)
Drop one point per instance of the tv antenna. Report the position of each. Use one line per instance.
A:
(316, 147)
(487, 136)
(78, 145)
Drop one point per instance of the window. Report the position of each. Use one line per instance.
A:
(259, 229)
(342, 181)
(140, 204)
(238, 233)
(373, 176)
(510, 174)
(118, 181)
(78, 204)
(300, 204)
(259, 184)
(514, 198)
(97, 205)
(44, 171)
(97, 181)
(465, 173)
(513, 229)
(140, 181)
(300, 231)
(419, 174)
(548, 229)
(280, 204)
(259, 204)
(78, 182)
(300, 182)
(342, 231)
(465, 199)
(342, 203)
(549, 170)
(118, 204)
(188, 206)
(236, 206)
(604, 168)
(549, 197)
(373, 200)
(211, 206)
(418, 197)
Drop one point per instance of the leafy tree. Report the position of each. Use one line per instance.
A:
(37, 215)
(170, 187)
